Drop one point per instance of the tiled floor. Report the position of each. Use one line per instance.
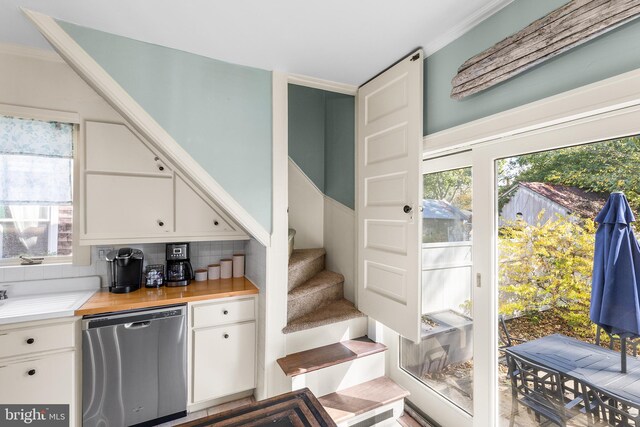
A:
(210, 411)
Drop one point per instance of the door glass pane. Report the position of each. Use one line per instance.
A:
(554, 366)
(443, 358)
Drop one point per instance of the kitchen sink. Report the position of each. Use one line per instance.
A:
(45, 299)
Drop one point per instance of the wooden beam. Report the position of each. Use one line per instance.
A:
(566, 27)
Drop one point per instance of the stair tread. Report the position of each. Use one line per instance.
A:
(333, 312)
(322, 280)
(353, 401)
(302, 256)
(328, 355)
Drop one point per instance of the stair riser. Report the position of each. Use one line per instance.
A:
(341, 376)
(309, 302)
(305, 271)
(325, 335)
(396, 407)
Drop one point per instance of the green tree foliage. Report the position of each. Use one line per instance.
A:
(547, 265)
(454, 186)
(600, 167)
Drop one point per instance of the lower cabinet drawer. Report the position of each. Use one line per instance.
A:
(42, 380)
(223, 312)
(15, 342)
(224, 360)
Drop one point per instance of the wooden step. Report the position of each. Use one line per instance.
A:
(333, 312)
(353, 401)
(304, 264)
(329, 355)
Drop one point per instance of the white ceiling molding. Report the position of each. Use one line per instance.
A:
(29, 52)
(464, 26)
(322, 84)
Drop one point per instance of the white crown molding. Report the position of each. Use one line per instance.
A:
(612, 94)
(122, 102)
(464, 26)
(327, 85)
(29, 52)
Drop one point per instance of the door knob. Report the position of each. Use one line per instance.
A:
(407, 209)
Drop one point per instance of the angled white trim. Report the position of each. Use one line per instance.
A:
(327, 85)
(346, 209)
(122, 102)
(464, 26)
(607, 95)
(313, 184)
(29, 52)
(39, 114)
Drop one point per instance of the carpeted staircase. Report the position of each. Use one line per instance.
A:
(315, 294)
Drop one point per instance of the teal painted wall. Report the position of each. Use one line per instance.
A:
(608, 55)
(220, 113)
(340, 148)
(306, 131)
(322, 140)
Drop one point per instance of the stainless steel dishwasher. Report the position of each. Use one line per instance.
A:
(134, 368)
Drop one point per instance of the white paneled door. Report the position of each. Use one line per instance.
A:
(390, 195)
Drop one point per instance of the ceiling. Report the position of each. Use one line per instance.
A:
(346, 41)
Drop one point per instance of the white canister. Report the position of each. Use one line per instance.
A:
(201, 275)
(238, 265)
(226, 267)
(214, 271)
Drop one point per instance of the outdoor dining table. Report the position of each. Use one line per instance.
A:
(585, 363)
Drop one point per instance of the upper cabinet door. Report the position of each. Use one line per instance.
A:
(115, 148)
(389, 196)
(194, 215)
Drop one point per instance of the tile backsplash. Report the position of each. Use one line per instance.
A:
(202, 254)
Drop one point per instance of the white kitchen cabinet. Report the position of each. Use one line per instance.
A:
(39, 364)
(223, 348)
(130, 193)
(119, 206)
(223, 360)
(114, 148)
(42, 380)
(195, 215)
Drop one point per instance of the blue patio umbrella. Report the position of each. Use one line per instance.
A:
(615, 287)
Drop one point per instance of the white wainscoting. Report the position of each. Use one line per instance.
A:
(339, 241)
(306, 209)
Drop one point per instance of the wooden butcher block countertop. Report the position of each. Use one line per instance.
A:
(104, 301)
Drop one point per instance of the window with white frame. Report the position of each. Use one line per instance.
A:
(36, 173)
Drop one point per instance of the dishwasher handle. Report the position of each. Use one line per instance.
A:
(137, 325)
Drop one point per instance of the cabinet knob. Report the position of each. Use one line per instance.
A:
(31, 372)
(161, 167)
(30, 340)
(407, 209)
(226, 336)
(225, 312)
(215, 222)
(161, 223)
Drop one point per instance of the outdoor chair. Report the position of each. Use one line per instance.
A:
(610, 409)
(506, 340)
(435, 360)
(540, 390)
(633, 343)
